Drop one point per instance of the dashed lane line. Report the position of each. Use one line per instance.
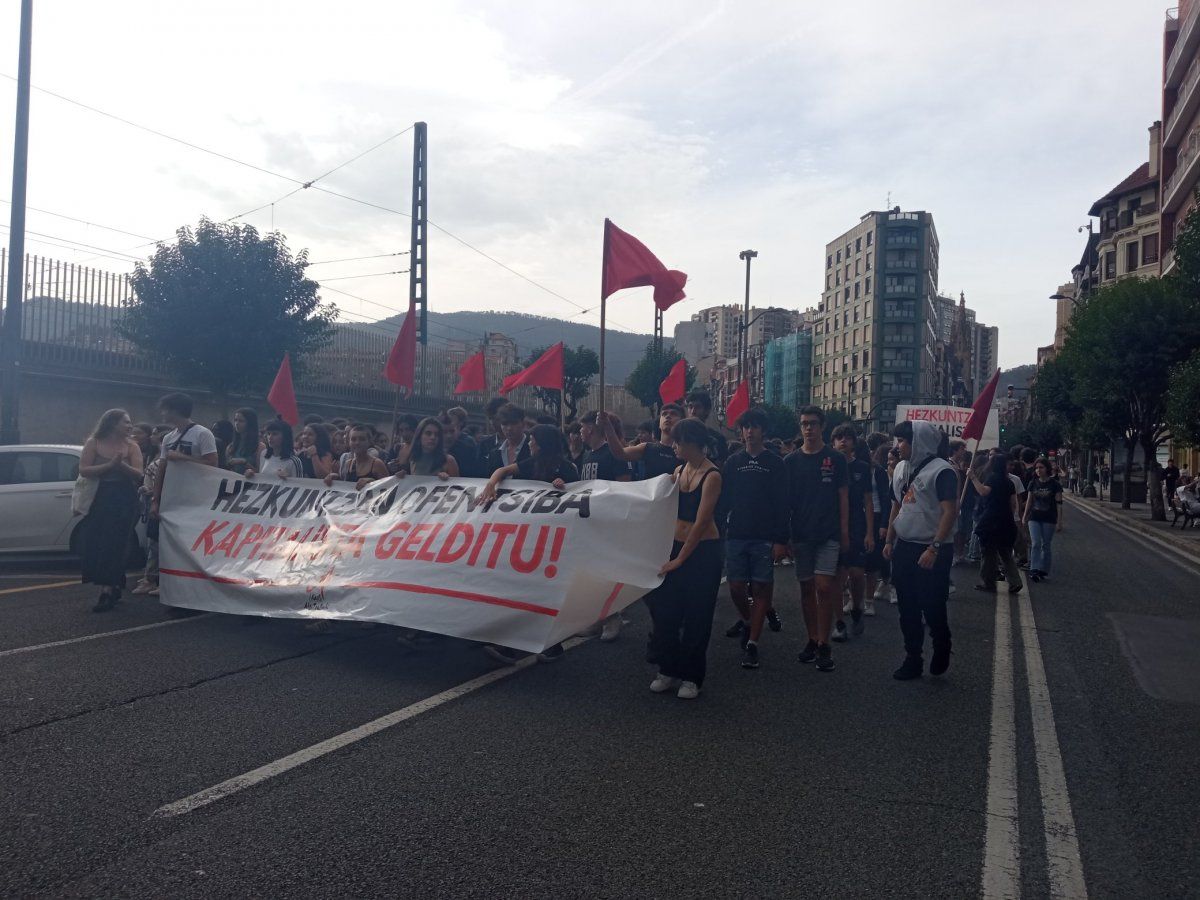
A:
(337, 742)
(1062, 842)
(1001, 878)
(102, 634)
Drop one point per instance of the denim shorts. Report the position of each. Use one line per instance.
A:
(815, 558)
(749, 561)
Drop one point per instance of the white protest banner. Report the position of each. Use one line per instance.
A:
(952, 420)
(534, 568)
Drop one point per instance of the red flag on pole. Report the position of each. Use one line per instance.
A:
(674, 386)
(473, 375)
(545, 372)
(402, 360)
(738, 404)
(282, 395)
(627, 264)
(981, 409)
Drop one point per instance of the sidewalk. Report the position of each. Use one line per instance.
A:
(1137, 519)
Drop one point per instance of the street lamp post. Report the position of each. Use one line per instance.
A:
(747, 255)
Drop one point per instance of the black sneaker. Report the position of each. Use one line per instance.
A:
(735, 629)
(750, 656)
(839, 632)
(506, 655)
(773, 621)
(909, 669)
(809, 653)
(940, 661)
(551, 654)
(825, 658)
(857, 626)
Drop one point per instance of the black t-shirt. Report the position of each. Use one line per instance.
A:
(564, 470)
(660, 459)
(995, 521)
(1046, 496)
(814, 484)
(754, 491)
(601, 465)
(466, 454)
(717, 449)
(1171, 476)
(860, 483)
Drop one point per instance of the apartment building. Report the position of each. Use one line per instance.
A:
(874, 344)
(1128, 243)
(788, 370)
(1180, 153)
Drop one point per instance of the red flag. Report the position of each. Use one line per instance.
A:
(546, 372)
(981, 409)
(674, 386)
(473, 375)
(282, 395)
(738, 404)
(627, 264)
(402, 361)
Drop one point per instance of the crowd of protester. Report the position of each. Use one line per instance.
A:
(859, 518)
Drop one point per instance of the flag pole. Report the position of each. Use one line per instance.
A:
(395, 413)
(603, 305)
(967, 480)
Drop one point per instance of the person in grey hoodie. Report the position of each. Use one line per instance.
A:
(920, 543)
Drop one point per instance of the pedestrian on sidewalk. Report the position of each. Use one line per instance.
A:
(754, 482)
(997, 525)
(920, 529)
(819, 503)
(1044, 516)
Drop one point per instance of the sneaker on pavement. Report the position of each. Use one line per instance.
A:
(663, 683)
(745, 638)
(909, 669)
(153, 592)
(612, 629)
(506, 655)
(736, 628)
(847, 603)
(940, 661)
(750, 656)
(881, 591)
(144, 587)
(689, 690)
(773, 621)
(825, 658)
(551, 654)
(839, 632)
(809, 653)
(869, 608)
(857, 627)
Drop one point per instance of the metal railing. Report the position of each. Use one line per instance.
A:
(1185, 31)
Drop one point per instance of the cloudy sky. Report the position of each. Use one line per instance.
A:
(703, 127)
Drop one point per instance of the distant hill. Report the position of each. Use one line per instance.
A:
(1018, 377)
(622, 349)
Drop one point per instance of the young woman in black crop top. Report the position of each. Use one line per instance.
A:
(682, 606)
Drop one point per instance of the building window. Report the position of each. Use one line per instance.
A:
(837, 278)
(847, 271)
(867, 285)
(839, 256)
(846, 296)
(858, 245)
(1131, 256)
(1149, 249)
(857, 289)
(857, 267)
(856, 313)
(868, 261)
(866, 358)
(870, 238)
(828, 281)
(829, 262)
(1110, 265)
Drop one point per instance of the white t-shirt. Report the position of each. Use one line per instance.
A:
(192, 440)
(274, 466)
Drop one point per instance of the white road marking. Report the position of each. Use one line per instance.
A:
(1157, 545)
(337, 742)
(102, 634)
(1062, 843)
(1001, 851)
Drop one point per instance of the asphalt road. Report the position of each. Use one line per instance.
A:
(572, 779)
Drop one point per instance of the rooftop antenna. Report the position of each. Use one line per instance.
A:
(888, 205)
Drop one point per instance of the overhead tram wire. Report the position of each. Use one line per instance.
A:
(329, 262)
(366, 275)
(80, 221)
(302, 185)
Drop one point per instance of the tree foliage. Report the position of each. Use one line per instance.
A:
(579, 366)
(781, 421)
(222, 304)
(649, 373)
(1183, 401)
(833, 418)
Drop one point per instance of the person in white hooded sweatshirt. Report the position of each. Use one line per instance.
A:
(920, 543)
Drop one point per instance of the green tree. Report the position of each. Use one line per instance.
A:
(781, 421)
(1183, 402)
(222, 304)
(579, 365)
(1119, 351)
(833, 418)
(649, 373)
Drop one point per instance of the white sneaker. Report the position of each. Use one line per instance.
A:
(689, 690)
(663, 683)
(892, 598)
(881, 591)
(869, 608)
(612, 628)
(847, 603)
(143, 587)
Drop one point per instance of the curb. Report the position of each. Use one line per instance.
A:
(1189, 551)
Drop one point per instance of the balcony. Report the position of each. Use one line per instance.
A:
(897, 363)
(903, 239)
(1184, 176)
(899, 314)
(1185, 47)
(899, 289)
(1186, 101)
(902, 265)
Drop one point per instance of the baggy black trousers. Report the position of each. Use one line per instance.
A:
(921, 594)
(681, 609)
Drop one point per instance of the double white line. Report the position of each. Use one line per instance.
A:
(1002, 855)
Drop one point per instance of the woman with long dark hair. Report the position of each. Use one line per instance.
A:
(546, 462)
(682, 606)
(317, 452)
(428, 455)
(279, 457)
(114, 460)
(997, 525)
(224, 432)
(243, 450)
(1044, 515)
